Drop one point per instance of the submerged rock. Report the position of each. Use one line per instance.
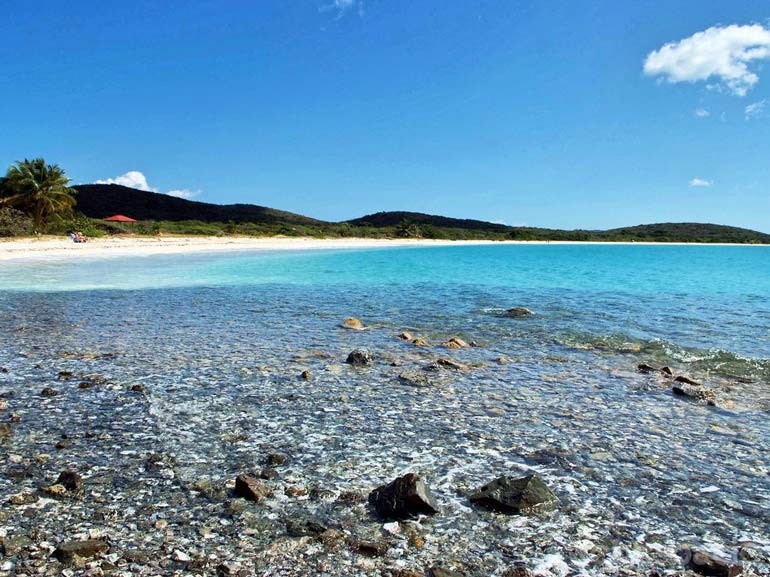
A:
(371, 548)
(450, 364)
(645, 368)
(707, 564)
(306, 375)
(251, 489)
(437, 571)
(405, 497)
(522, 496)
(518, 312)
(415, 379)
(5, 431)
(360, 358)
(48, 392)
(697, 392)
(420, 342)
(304, 527)
(353, 323)
(70, 551)
(687, 381)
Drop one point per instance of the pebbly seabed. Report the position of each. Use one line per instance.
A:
(159, 399)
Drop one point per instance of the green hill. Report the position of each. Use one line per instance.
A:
(177, 215)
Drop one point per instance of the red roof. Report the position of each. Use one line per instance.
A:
(120, 218)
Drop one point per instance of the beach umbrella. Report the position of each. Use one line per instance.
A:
(119, 218)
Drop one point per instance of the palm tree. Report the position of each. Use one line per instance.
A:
(39, 189)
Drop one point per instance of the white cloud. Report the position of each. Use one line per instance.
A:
(700, 182)
(184, 193)
(720, 52)
(702, 113)
(132, 179)
(136, 179)
(755, 109)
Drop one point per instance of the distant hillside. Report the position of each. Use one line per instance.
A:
(381, 219)
(103, 200)
(673, 231)
(98, 201)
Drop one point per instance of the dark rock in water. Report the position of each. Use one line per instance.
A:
(406, 336)
(275, 459)
(65, 375)
(371, 548)
(306, 375)
(697, 392)
(707, 564)
(137, 389)
(70, 480)
(68, 551)
(405, 497)
(517, 572)
(518, 312)
(450, 364)
(518, 496)
(303, 527)
(48, 392)
(687, 381)
(360, 358)
(3, 370)
(645, 368)
(441, 572)
(415, 379)
(268, 473)
(5, 431)
(419, 342)
(85, 385)
(251, 489)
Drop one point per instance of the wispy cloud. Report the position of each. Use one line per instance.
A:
(701, 183)
(136, 179)
(702, 113)
(723, 53)
(755, 109)
(342, 7)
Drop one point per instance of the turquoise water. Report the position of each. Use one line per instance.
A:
(218, 342)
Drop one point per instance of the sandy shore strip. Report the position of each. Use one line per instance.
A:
(49, 247)
(64, 248)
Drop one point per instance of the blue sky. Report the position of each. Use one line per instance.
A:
(559, 114)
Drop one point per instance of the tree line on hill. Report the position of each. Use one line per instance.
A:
(36, 198)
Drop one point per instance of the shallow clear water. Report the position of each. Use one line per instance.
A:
(219, 341)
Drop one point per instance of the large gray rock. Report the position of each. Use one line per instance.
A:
(516, 496)
(708, 564)
(405, 497)
(360, 358)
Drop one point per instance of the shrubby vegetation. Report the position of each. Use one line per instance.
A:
(14, 222)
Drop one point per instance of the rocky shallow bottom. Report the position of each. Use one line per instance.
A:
(156, 421)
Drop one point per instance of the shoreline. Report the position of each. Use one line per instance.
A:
(131, 246)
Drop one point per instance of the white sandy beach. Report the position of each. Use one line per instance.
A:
(49, 247)
(63, 247)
